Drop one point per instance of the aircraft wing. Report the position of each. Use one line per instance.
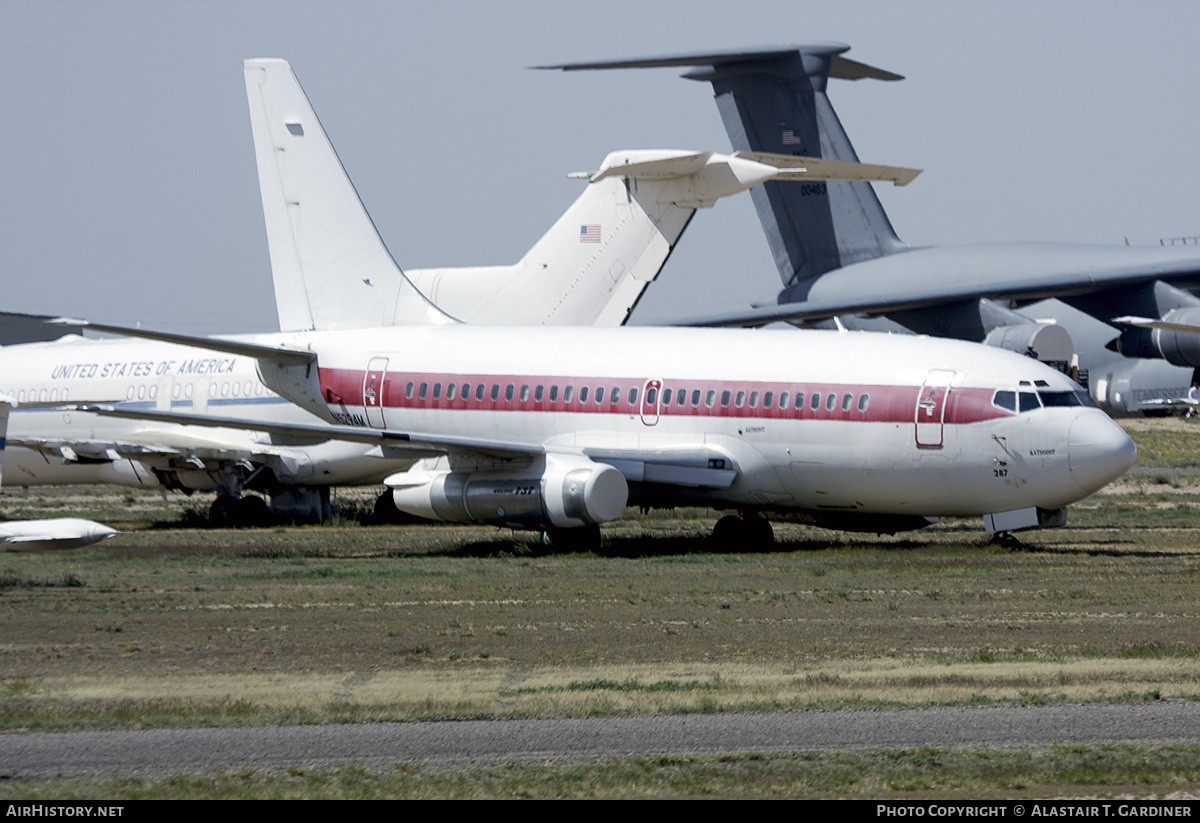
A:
(698, 466)
(1170, 402)
(169, 447)
(1090, 277)
(393, 443)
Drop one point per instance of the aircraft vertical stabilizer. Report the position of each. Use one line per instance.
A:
(330, 266)
(592, 266)
(773, 100)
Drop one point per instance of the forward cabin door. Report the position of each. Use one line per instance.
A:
(373, 383)
(930, 413)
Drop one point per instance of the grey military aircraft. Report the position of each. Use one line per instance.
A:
(839, 257)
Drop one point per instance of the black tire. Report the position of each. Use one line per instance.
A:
(225, 512)
(254, 511)
(727, 535)
(385, 511)
(743, 534)
(759, 534)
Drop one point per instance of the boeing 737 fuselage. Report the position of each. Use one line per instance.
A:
(560, 429)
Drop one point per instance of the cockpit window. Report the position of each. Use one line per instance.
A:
(1058, 398)
(1065, 398)
(1029, 401)
(1005, 400)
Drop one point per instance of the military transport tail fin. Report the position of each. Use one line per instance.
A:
(773, 100)
(330, 266)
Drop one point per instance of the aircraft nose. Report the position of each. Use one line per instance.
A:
(1099, 451)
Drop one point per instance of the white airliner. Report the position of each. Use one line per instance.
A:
(331, 270)
(558, 429)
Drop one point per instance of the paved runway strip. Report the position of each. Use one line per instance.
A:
(448, 744)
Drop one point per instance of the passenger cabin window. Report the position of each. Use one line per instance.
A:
(667, 397)
(554, 394)
(615, 398)
(864, 400)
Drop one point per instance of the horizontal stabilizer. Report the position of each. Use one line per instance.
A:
(841, 68)
(274, 354)
(818, 168)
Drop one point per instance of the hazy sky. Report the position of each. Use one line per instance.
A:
(128, 191)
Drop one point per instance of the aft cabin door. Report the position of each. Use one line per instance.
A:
(373, 391)
(930, 414)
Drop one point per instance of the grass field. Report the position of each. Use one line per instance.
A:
(182, 626)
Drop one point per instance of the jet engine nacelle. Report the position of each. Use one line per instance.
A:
(560, 492)
(1047, 342)
(1177, 348)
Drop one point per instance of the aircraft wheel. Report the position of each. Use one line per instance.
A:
(742, 534)
(254, 511)
(583, 539)
(727, 534)
(385, 511)
(225, 512)
(1006, 540)
(759, 535)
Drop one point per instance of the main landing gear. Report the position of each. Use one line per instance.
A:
(748, 533)
(228, 511)
(1005, 540)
